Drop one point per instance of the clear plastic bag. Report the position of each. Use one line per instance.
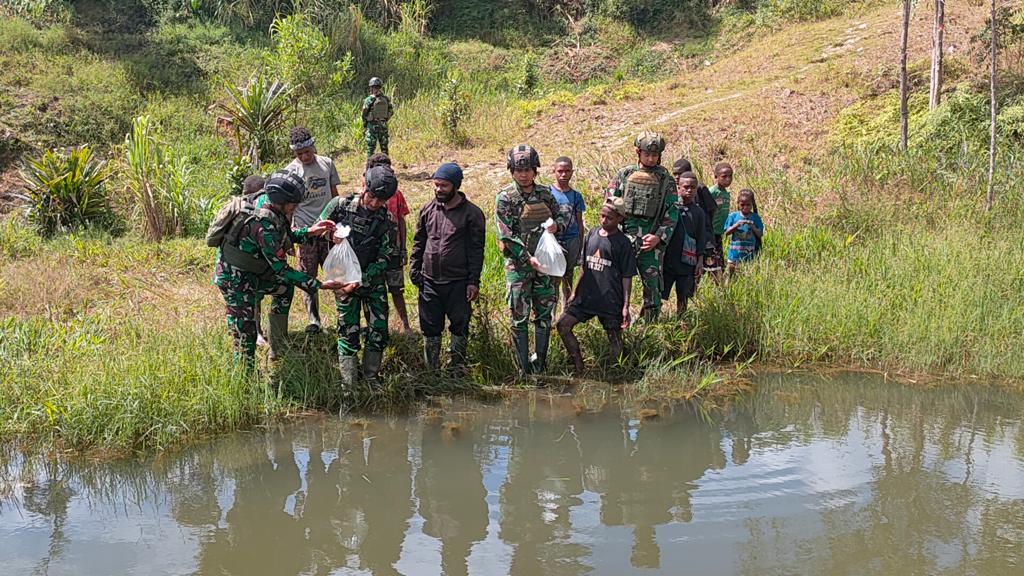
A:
(549, 253)
(342, 263)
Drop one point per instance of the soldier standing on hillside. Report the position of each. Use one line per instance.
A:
(650, 196)
(251, 263)
(367, 215)
(521, 209)
(377, 110)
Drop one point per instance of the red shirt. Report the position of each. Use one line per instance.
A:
(397, 206)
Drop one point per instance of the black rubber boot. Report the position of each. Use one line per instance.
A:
(542, 338)
(277, 333)
(457, 356)
(371, 367)
(521, 343)
(313, 307)
(349, 373)
(432, 352)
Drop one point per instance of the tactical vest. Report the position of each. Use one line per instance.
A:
(379, 110)
(246, 261)
(366, 228)
(643, 195)
(533, 212)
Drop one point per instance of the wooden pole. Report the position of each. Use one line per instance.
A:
(935, 91)
(993, 106)
(904, 88)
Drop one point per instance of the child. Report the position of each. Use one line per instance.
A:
(746, 229)
(687, 246)
(398, 208)
(720, 192)
(606, 277)
(572, 206)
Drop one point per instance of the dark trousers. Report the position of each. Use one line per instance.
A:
(437, 301)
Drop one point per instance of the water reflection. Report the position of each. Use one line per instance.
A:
(807, 476)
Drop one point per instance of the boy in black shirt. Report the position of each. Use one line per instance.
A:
(687, 246)
(606, 278)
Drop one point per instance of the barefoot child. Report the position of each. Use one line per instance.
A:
(745, 228)
(687, 246)
(720, 192)
(572, 206)
(606, 277)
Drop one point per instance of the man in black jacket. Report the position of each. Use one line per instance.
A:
(447, 259)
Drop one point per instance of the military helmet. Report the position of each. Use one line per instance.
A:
(650, 142)
(375, 82)
(381, 182)
(523, 156)
(285, 188)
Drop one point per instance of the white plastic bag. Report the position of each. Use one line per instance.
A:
(342, 263)
(549, 253)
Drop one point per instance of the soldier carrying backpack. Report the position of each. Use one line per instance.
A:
(377, 110)
(249, 233)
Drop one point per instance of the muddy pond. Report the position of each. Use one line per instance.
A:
(806, 475)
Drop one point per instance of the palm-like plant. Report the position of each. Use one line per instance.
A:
(65, 191)
(258, 111)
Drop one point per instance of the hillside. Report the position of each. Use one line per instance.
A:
(874, 259)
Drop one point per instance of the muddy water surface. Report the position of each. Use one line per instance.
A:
(807, 476)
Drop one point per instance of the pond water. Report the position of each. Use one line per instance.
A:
(808, 475)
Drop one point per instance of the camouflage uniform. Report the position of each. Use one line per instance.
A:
(637, 226)
(519, 218)
(264, 236)
(371, 240)
(375, 131)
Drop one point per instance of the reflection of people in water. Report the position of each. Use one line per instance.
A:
(293, 513)
(645, 472)
(740, 425)
(452, 495)
(545, 478)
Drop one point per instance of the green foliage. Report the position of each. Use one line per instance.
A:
(65, 191)
(527, 76)
(452, 108)
(302, 57)
(258, 111)
(161, 184)
(39, 11)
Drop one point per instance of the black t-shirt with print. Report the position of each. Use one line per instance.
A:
(606, 261)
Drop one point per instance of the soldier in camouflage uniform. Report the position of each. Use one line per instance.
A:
(370, 238)
(649, 192)
(252, 264)
(521, 208)
(377, 110)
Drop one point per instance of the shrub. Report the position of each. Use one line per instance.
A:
(453, 107)
(65, 191)
(258, 112)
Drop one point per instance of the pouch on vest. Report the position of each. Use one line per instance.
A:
(379, 110)
(640, 194)
(531, 220)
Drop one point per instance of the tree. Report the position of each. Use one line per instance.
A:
(994, 111)
(903, 76)
(935, 92)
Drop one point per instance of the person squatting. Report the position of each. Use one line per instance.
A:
(662, 226)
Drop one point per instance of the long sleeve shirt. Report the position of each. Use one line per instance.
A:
(448, 245)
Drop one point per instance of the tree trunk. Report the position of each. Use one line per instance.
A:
(934, 94)
(904, 89)
(993, 106)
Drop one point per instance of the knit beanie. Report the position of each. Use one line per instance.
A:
(450, 172)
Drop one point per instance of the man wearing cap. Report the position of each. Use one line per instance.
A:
(521, 209)
(321, 179)
(251, 263)
(649, 194)
(377, 111)
(606, 278)
(447, 259)
(367, 216)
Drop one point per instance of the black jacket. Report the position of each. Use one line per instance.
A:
(449, 244)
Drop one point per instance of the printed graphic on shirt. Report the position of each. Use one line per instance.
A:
(596, 263)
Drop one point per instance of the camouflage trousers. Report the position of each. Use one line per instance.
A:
(373, 300)
(525, 290)
(648, 265)
(241, 314)
(373, 135)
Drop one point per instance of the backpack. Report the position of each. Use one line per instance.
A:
(380, 110)
(227, 224)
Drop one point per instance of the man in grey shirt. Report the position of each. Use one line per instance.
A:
(321, 178)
